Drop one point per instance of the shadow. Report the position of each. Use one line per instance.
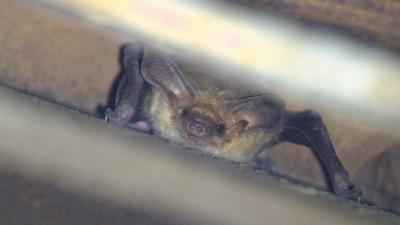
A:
(380, 179)
(112, 94)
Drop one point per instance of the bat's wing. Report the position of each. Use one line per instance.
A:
(130, 86)
(307, 128)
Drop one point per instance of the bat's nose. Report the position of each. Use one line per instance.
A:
(196, 129)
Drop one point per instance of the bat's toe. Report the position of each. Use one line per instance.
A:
(351, 193)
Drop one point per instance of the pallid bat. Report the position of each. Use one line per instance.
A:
(154, 95)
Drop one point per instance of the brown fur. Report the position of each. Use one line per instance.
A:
(210, 94)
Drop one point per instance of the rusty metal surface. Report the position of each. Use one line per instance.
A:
(69, 62)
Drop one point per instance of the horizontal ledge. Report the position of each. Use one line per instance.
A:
(79, 152)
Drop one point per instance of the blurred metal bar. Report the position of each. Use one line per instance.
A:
(267, 49)
(85, 154)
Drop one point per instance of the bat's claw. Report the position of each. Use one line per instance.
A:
(343, 188)
(112, 116)
(108, 115)
(120, 116)
(352, 193)
(117, 117)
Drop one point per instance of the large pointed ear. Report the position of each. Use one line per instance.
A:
(162, 73)
(258, 111)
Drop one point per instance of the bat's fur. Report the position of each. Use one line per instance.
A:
(165, 122)
(210, 115)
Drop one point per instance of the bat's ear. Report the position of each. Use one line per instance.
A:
(259, 111)
(162, 73)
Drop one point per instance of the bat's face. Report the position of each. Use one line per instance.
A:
(206, 117)
(204, 114)
(201, 126)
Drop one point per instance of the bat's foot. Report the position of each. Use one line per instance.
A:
(342, 188)
(120, 116)
(263, 164)
(109, 115)
(353, 193)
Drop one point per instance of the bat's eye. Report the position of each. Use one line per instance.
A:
(184, 112)
(220, 128)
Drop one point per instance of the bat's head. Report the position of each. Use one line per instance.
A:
(207, 118)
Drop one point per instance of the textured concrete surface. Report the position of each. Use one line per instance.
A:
(70, 62)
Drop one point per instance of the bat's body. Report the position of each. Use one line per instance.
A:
(228, 144)
(200, 113)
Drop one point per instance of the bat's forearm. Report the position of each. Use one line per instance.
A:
(308, 129)
(129, 87)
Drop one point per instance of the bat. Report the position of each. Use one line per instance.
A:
(154, 96)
